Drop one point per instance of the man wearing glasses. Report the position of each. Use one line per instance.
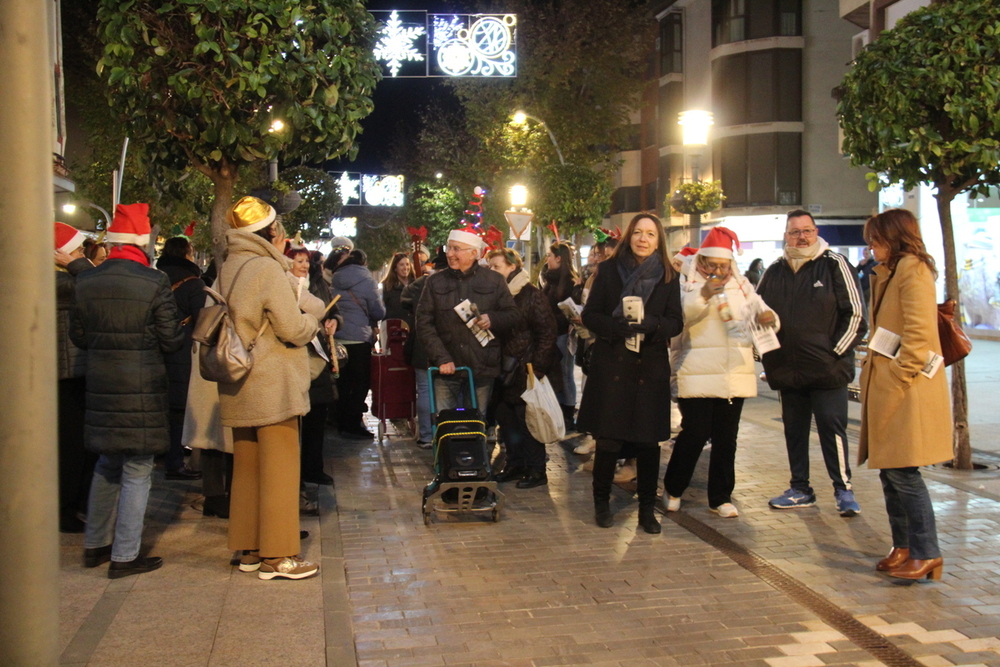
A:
(815, 293)
(444, 332)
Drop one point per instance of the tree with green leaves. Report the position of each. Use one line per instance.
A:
(320, 201)
(220, 85)
(922, 105)
(436, 207)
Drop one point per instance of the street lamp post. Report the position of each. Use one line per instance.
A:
(520, 117)
(519, 218)
(70, 208)
(695, 124)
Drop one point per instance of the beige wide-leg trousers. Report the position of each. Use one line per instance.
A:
(264, 508)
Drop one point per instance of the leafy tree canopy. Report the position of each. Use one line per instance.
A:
(202, 82)
(922, 103)
(436, 207)
(320, 201)
(381, 233)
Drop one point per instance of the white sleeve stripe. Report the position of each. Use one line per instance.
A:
(854, 293)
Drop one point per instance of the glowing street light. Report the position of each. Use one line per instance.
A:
(69, 208)
(520, 118)
(518, 196)
(277, 126)
(695, 125)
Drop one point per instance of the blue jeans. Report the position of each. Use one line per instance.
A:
(424, 423)
(567, 367)
(830, 407)
(118, 496)
(911, 514)
(451, 391)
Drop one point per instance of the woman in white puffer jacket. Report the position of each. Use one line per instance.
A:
(715, 369)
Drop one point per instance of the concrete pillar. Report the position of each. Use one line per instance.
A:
(29, 538)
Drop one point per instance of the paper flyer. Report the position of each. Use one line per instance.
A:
(469, 313)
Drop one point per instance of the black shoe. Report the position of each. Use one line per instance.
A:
(648, 522)
(183, 473)
(602, 513)
(94, 557)
(303, 534)
(320, 478)
(137, 566)
(511, 473)
(216, 506)
(532, 479)
(71, 524)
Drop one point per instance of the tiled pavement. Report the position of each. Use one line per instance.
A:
(545, 586)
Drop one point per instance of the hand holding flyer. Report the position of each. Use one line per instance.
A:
(470, 314)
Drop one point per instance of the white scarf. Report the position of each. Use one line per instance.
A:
(797, 257)
(517, 281)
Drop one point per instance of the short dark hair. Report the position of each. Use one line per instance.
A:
(798, 213)
(178, 246)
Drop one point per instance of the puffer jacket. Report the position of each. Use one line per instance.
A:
(823, 319)
(359, 302)
(277, 387)
(72, 360)
(126, 318)
(712, 358)
(535, 342)
(189, 293)
(445, 336)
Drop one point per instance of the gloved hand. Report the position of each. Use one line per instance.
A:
(647, 326)
(622, 327)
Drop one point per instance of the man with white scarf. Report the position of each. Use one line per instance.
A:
(815, 293)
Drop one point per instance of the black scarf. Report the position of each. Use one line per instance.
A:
(638, 279)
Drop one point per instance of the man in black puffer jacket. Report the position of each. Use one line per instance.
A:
(126, 318)
(816, 295)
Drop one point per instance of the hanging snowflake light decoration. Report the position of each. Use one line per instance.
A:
(396, 44)
(349, 188)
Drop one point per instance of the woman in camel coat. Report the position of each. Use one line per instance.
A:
(906, 417)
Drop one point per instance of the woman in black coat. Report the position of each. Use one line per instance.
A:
(627, 396)
(535, 343)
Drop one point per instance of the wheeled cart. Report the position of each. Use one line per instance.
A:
(394, 392)
(463, 477)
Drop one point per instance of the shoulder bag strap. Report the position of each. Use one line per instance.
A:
(263, 326)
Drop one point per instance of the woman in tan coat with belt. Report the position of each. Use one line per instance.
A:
(263, 408)
(906, 417)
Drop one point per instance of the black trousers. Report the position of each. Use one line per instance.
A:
(76, 464)
(522, 449)
(829, 406)
(647, 468)
(216, 472)
(313, 432)
(174, 459)
(353, 385)
(702, 419)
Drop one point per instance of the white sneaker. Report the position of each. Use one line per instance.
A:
(626, 473)
(726, 510)
(673, 504)
(586, 447)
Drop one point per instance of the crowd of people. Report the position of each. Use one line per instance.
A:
(646, 330)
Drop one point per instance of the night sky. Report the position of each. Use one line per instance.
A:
(397, 101)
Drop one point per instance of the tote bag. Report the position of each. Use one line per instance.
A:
(543, 414)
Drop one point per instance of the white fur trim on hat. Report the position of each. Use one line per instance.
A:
(68, 238)
(132, 239)
(468, 238)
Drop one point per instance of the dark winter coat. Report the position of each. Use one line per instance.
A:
(627, 395)
(72, 360)
(126, 318)
(822, 320)
(535, 342)
(359, 303)
(558, 286)
(446, 337)
(189, 292)
(416, 353)
(393, 304)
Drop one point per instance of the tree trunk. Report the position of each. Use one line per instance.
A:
(962, 445)
(225, 184)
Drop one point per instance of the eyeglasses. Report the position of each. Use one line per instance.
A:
(796, 233)
(457, 249)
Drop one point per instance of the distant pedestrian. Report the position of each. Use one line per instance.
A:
(864, 270)
(534, 343)
(815, 293)
(263, 408)
(76, 464)
(95, 251)
(177, 261)
(715, 371)
(626, 401)
(755, 271)
(905, 416)
(558, 281)
(399, 275)
(126, 318)
(362, 309)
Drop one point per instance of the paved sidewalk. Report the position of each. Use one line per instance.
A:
(545, 586)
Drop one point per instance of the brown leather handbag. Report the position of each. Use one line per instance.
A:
(955, 345)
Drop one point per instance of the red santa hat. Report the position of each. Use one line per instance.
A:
(130, 225)
(68, 238)
(685, 252)
(719, 243)
(468, 236)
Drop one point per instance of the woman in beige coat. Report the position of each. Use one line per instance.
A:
(906, 417)
(264, 407)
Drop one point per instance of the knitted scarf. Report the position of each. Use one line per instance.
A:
(638, 279)
(132, 252)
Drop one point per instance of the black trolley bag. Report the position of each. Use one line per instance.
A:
(463, 477)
